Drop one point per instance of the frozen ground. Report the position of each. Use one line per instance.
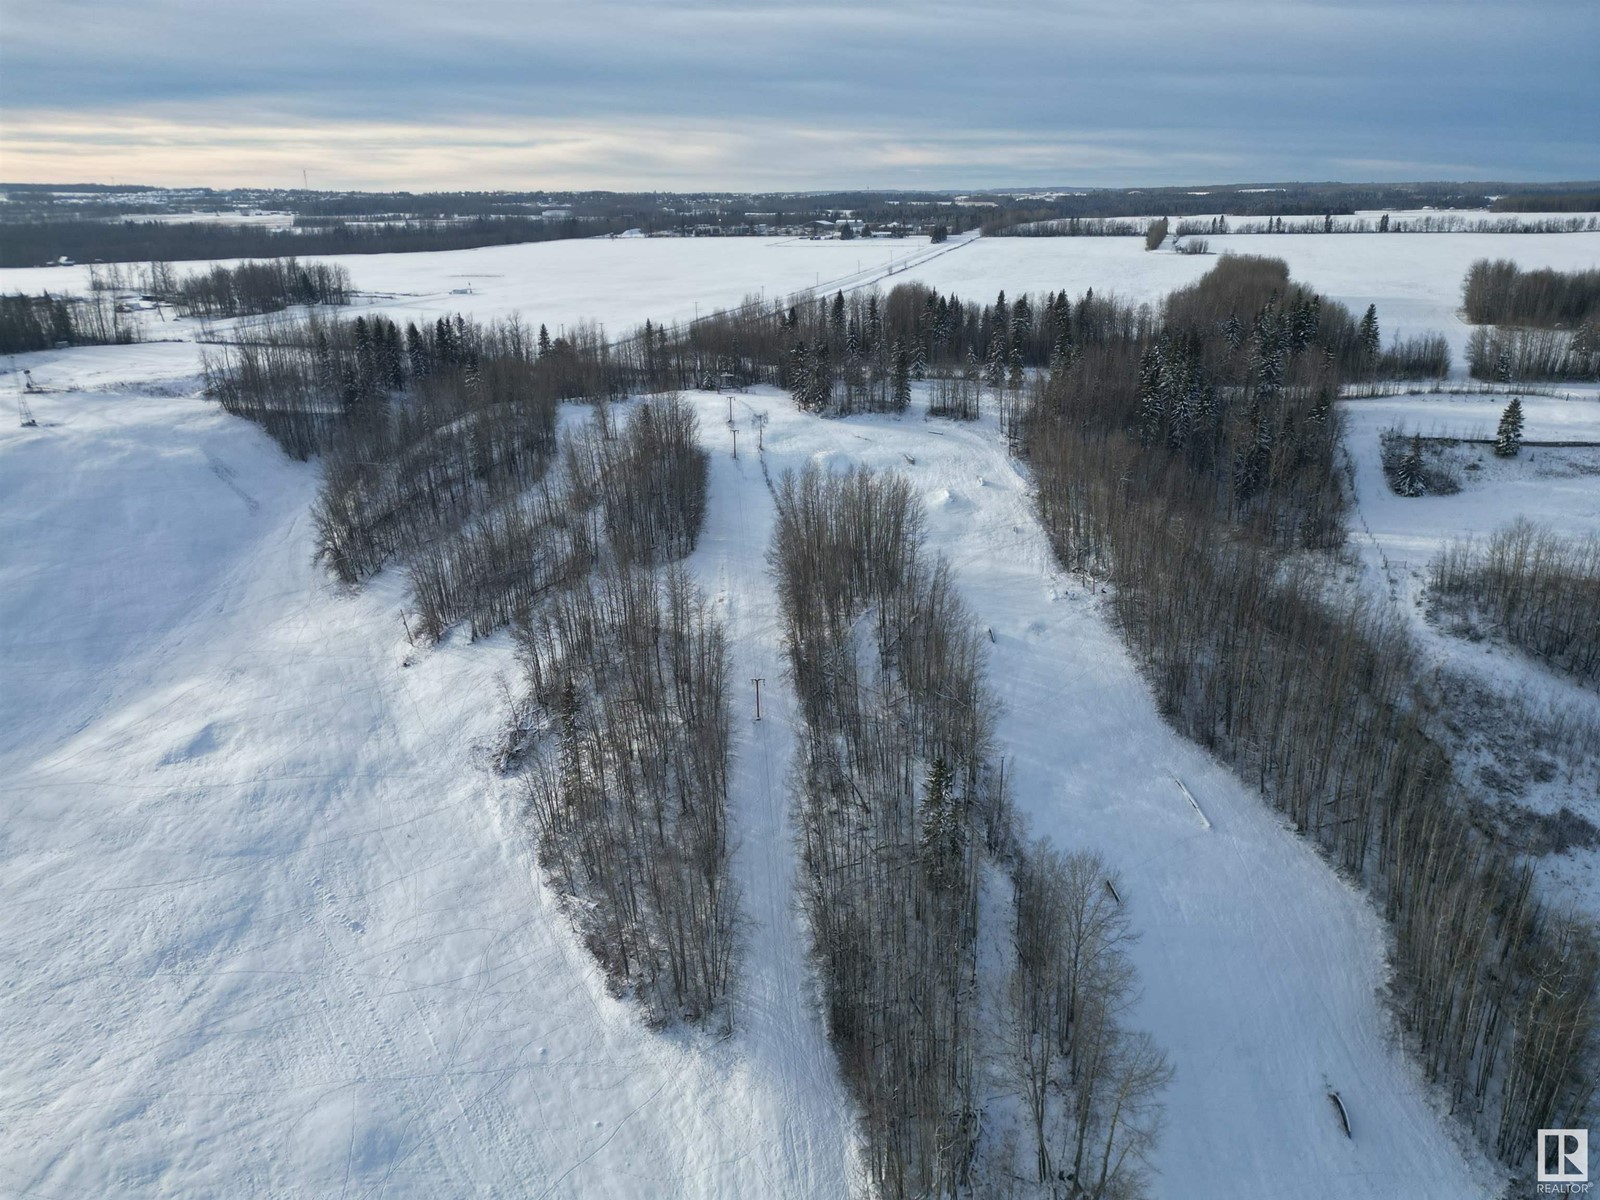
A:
(274, 929)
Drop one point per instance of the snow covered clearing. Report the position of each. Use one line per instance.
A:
(1397, 537)
(276, 926)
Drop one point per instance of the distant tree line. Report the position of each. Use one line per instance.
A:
(1575, 201)
(1069, 227)
(1538, 591)
(902, 816)
(1512, 353)
(245, 289)
(252, 288)
(1502, 293)
(45, 321)
(1387, 223)
(33, 243)
(1194, 465)
(1313, 222)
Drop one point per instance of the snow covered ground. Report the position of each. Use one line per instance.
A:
(274, 928)
(1414, 279)
(1259, 966)
(1397, 537)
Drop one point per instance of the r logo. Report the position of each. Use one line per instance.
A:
(1563, 1156)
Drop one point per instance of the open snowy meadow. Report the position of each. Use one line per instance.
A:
(274, 924)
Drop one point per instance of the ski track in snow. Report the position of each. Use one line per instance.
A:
(274, 929)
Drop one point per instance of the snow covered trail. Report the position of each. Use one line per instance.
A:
(272, 927)
(778, 1019)
(1260, 967)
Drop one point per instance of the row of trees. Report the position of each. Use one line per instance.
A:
(436, 447)
(1539, 591)
(1071, 227)
(251, 288)
(901, 813)
(1313, 221)
(835, 354)
(1091, 1089)
(627, 781)
(1502, 293)
(1388, 223)
(314, 381)
(42, 322)
(1312, 698)
(636, 497)
(1511, 353)
(246, 289)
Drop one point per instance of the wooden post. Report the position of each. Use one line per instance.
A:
(735, 443)
(758, 682)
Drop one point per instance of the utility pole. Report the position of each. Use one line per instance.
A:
(758, 683)
(730, 410)
(735, 433)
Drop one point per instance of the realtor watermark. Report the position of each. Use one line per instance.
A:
(1563, 1162)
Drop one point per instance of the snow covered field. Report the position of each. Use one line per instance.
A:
(1414, 279)
(274, 928)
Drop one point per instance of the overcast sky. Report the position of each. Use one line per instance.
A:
(878, 93)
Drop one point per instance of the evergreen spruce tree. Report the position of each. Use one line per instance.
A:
(995, 364)
(1150, 398)
(1408, 477)
(901, 386)
(1233, 331)
(941, 828)
(1368, 336)
(417, 351)
(1508, 438)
